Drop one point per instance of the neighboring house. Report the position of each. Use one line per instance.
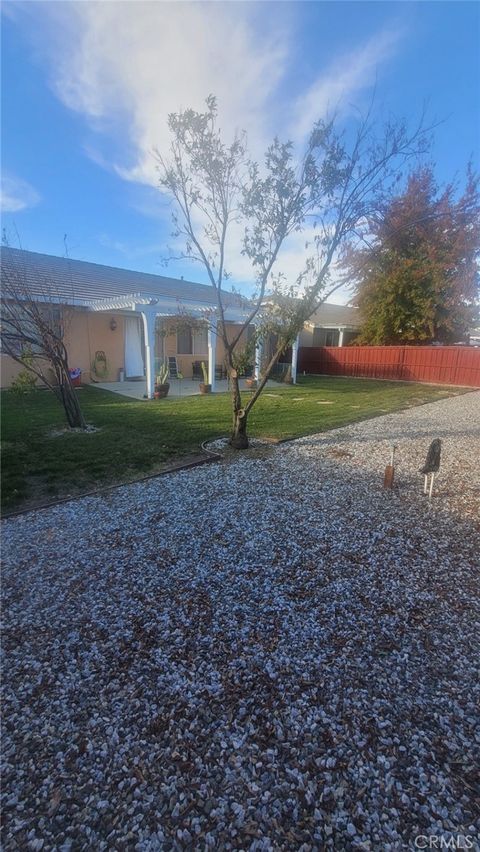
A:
(474, 337)
(122, 322)
(331, 325)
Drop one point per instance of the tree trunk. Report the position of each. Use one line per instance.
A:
(239, 438)
(69, 399)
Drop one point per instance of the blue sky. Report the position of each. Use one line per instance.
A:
(87, 88)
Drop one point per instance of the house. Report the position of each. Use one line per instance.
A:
(122, 324)
(332, 325)
(474, 337)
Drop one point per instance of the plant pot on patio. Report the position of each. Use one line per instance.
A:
(76, 377)
(251, 383)
(204, 386)
(161, 391)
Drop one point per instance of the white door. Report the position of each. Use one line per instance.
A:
(134, 363)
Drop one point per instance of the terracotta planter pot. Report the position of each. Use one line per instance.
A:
(205, 388)
(251, 383)
(161, 391)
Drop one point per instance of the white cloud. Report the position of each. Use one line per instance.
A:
(347, 77)
(16, 194)
(126, 65)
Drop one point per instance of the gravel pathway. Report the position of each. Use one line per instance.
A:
(262, 654)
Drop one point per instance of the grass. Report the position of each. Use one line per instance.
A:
(135, 438)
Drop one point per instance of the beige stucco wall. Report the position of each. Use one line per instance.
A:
(90, 332)
(85, 333)
(9, 370)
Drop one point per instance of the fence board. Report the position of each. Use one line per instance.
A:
(450, 365)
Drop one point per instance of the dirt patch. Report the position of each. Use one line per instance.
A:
(59, 433)
(339, 454)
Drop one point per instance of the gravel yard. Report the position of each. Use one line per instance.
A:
(270, 653)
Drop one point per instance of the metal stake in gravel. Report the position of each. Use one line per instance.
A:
(390, 470)
(432, 465)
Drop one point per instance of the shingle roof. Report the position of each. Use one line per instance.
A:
(78, 281)
(330, 314)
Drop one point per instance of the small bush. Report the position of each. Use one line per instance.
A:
(25, 381)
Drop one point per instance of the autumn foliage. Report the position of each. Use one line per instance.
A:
(416, 273)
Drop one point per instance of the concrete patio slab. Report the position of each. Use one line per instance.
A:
(178, 387)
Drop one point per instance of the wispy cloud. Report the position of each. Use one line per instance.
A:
(126, 65)
(348, 76)
(16, 194)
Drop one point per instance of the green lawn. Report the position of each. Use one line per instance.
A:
(138, 437)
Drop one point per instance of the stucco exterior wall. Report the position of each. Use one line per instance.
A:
(85, 333)
(306, 337)
(9, 370)
(90, 332)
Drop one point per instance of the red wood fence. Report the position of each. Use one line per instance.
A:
(450, 365)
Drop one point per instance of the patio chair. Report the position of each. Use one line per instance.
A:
(172, 367)
(197, 372)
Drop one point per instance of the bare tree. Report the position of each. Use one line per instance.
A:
(33, 323)
(219, 193)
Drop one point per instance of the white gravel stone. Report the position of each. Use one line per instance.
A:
(268, 652)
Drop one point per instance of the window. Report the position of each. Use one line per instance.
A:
(192, 342)
(325, 337)
(331, 337)
(200, 341)
(184, 341)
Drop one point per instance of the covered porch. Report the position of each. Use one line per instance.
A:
(147, 344)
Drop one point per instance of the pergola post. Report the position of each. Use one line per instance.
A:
(212, 351)
(295, 358)
(149, 318)
(258, 359)
(340, 336)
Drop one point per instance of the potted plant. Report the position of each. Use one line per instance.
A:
(162, 386)
(204, 386)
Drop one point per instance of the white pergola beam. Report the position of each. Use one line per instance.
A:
(295, 346)
(149, 317)
(258, 359)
